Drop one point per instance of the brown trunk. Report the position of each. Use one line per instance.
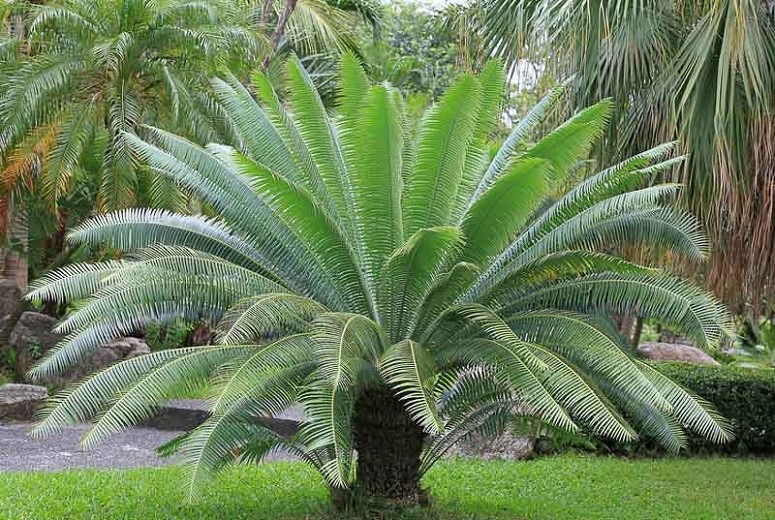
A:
(279, 31)
(201, 335)
(388, 445)
(14, 253)
(266, 12)
(14, 225)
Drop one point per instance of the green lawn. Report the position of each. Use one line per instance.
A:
(567, 487)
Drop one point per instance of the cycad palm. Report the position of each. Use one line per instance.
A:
(416, 292)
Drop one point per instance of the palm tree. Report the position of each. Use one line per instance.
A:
(99, 70)
(418, 290)
(698, 71)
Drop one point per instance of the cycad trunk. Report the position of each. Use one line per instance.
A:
(389, 444)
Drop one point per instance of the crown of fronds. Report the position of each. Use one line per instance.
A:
(380, 252)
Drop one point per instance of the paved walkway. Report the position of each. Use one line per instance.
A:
(132, 448)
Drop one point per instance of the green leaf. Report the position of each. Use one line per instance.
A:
(411, 372)
(446, 132)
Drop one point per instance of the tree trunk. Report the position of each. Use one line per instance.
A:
(388, 444)
(14, 222)
(636, 334)
(14, 252)
(279, 31)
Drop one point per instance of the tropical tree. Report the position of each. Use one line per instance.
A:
(416, 52)
(416, 288)
(97, 71)
(79, 75)
(698, 71)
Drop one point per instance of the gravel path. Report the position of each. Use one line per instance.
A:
(132, 448)
(136, 447)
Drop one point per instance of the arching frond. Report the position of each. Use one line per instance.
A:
(412, 373)
(446, 131)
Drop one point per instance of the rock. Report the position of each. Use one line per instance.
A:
(675, 352)
(117, 350)
(506, 446)
(11, 308)
(20, 402)
(31, 338)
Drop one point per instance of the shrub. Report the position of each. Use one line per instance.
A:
(744, 396)
(414, 288)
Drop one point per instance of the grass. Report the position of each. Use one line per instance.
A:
(566, 487)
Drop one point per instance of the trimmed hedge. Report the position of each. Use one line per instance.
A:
(745, 396)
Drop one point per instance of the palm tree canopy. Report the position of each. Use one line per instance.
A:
(698, 71)
(97, 70)
(381, 257)
(94, 71)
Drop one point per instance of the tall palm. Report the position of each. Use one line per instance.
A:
(698, 71)
(417, 288)
(99, 70)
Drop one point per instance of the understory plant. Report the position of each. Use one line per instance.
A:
(402, 285)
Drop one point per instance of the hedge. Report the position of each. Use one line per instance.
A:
(745, 396)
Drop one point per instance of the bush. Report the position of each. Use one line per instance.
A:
(744, 396)
(172, 335)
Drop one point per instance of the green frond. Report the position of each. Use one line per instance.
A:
(216, 443)
(445, 292)
(663, 297)
(514, 359)
(511, 145)
(320, 135)
(585, 403)
(253, 318)
(236, 431)
(411, 372)
(142, 398)
(493, 81)
(311, 235)
(440, 154)
(557, 266)
(72, 282)
(284, 124)
(409, 275)
(342, 344)
(329, 412)
(608, 183)
(89, 397)
(578, 232)
(259, 136)
(136, 228)
(353, 87)
(571, 142)
(74, 135)
(500, 212)
(691, 411)
(374, 148)
(649, 421)
(235, 381)
(583, 342)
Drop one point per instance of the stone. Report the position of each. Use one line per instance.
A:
(506, 446)
(31, 338)
(113, 352)
(675, 352)
(20, 402)
(11, 308)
